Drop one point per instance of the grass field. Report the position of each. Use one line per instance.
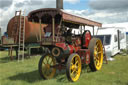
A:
(26, 73)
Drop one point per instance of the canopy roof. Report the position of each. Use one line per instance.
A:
(38, 14)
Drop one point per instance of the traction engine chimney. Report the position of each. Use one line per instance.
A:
(59, 4)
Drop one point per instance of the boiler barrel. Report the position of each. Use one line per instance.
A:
(32, 30)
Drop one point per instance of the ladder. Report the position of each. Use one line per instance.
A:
(21, 37)
(104, 53)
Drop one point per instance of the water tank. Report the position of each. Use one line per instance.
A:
(32, 30)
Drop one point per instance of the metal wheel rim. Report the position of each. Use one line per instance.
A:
(47, 70)
(75, 68)
(98, 55)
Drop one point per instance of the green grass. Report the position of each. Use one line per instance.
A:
(26, 73)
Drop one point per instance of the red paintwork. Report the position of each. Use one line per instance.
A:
(78, 41)
(85, 55)
(62, 45)
(87, 39)
(77, 48)
(71, 48)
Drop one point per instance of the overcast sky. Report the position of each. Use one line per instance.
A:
(104, 11)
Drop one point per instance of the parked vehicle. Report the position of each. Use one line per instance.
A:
(113, 39)
(127, 39)
(0, 35)
(66, 50)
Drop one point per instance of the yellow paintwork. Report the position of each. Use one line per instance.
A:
(47, 62)
(75, 68)
(98, 55)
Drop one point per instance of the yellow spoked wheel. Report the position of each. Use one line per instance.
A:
(73, 68)
(46, 64)
(96, 54)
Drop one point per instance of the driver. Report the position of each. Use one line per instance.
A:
(69, 36)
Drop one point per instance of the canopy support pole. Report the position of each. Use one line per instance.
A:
(53, 29)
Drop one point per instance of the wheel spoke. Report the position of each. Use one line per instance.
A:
(96, 54)
(76, 63)
(72, 67)
(99, 52)
(51, 62)
(43, 63)
(95, 58)
(47, 58)
(97, 43)
(47, 71)
(74, 72)
(97, 49)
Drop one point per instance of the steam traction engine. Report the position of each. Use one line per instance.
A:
(66, 49)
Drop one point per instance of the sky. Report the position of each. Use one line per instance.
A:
(104, 11)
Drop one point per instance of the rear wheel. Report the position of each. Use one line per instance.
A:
(46, 64)
(96, 54)
(73, 68)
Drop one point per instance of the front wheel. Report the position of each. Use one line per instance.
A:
(73, 68)
(45, 66)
